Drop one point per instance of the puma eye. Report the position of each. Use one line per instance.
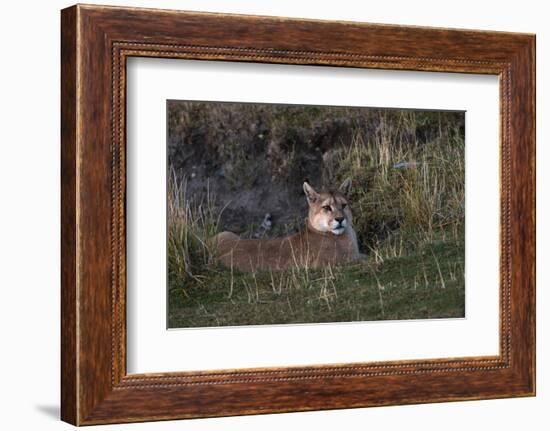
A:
(327, 208)
(344, 205)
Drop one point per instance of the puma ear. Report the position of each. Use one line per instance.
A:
(345, 187)
(310, 192)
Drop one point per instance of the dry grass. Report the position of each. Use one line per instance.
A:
(191, 225)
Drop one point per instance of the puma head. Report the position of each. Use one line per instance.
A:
(329, 210)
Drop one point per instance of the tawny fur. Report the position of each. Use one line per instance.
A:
(328, 238)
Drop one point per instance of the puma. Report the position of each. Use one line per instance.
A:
(327, 238)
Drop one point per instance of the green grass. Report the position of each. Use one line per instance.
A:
(409, 222)
(428, 283)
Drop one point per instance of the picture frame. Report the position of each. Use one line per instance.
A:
(96, 42)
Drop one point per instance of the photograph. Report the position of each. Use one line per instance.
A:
(302, 214)
(275, 215)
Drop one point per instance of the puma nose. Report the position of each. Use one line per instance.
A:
(339, 219)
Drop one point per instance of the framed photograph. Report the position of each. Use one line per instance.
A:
(264, 215)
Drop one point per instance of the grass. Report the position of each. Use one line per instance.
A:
(427, 284)
(408, 206)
